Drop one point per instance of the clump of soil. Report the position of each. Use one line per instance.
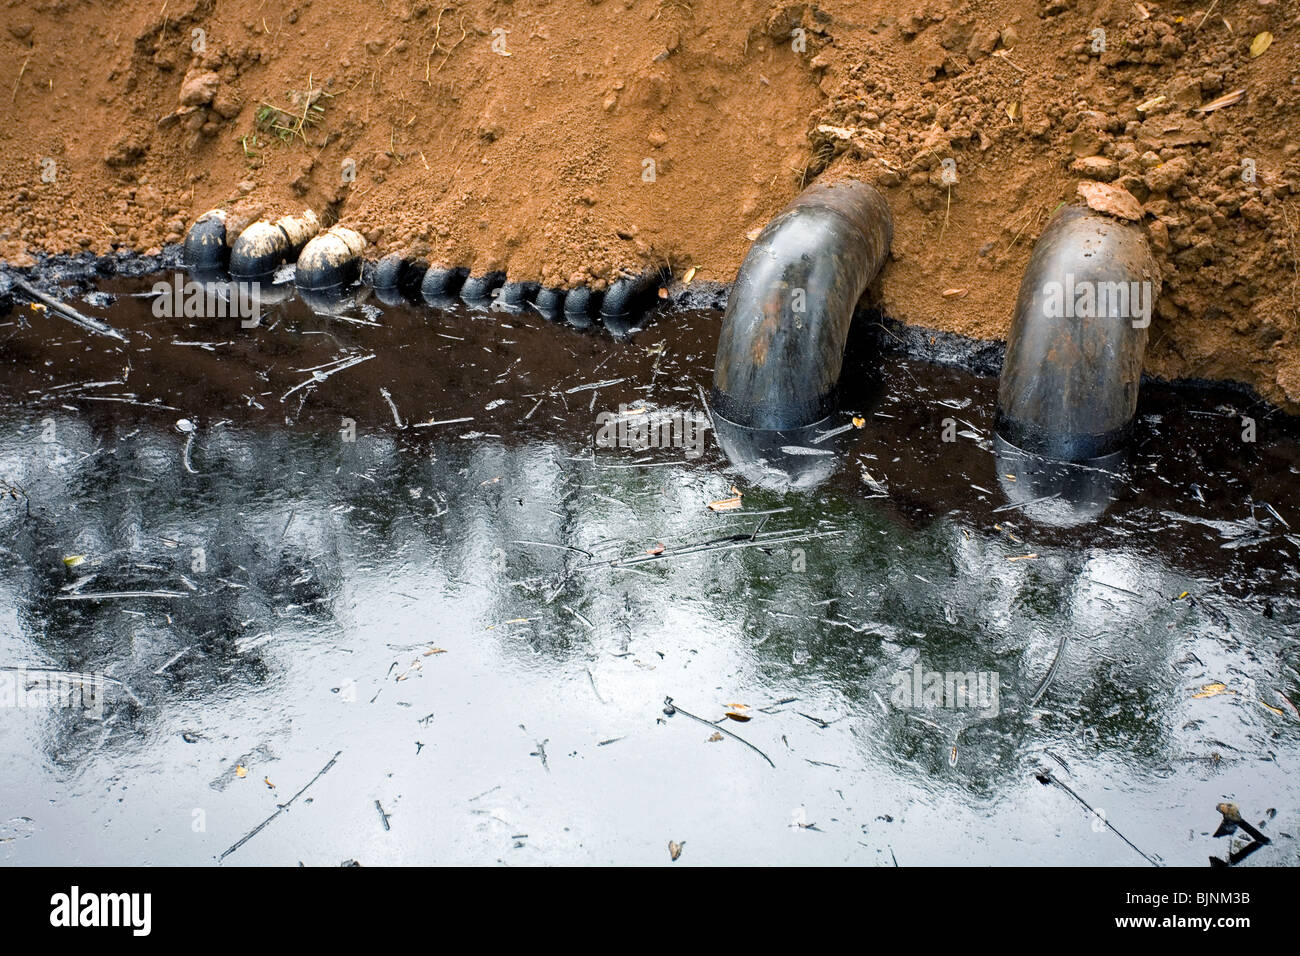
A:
(566, 140)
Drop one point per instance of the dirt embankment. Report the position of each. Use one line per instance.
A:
(568, 139)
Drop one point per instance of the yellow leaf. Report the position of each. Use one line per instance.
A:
(690, 274)
(1277, 710)
(1013, 110)
(1211, 690)
(859, 421)
(434, 650)
(73, 560)
(1261, 43)
(241, 771)
(269, 784)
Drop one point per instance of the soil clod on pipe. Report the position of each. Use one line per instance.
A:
(788, 316)
(263, 246)
(331, 260)
(1069, 384)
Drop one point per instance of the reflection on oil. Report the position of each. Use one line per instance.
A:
(797, 459)
(1057, 493)
(399, 538)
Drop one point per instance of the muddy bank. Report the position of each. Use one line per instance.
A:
(874, 333)
(565, 141)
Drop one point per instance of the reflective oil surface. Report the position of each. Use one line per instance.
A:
(392, 536)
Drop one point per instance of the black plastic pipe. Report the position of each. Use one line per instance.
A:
(335, 299)
(478, 289)
(549, 303)
(787, 320)
(442, 282)
(577, 307)
(515, 296)
(1060, 494)
(793, 459)
(205, 250)
(628, 300)
(331, 260)
(263, 246)
(1069, 384)
(631, 294)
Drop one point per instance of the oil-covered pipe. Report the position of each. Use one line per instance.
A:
(1069, 383)
(331, 260)
(794, 459)
(1059, 494)
(631, 294)
(478, 289)
(388, 276)
(515, 296)
(440, 283)
(334, 299)
(261, 247)
(627, 301)
(577, 307)
(205, 250)
(390, 272)
(788, 315)
(549, 303)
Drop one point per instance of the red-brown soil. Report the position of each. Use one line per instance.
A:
(536, 162)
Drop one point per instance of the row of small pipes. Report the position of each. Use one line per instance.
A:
(1069, 384)
(329, 263)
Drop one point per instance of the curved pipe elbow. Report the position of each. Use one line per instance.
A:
(788, 315)
(631, 294)
(515, 296)
(441, 283)
(331, 260)
(205, 249)
(260, 248)
(478, 289)
(1069, 383)
(549, 303)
